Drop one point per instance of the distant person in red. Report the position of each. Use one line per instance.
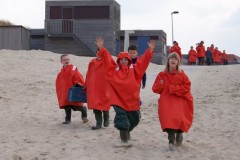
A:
(201, 53)
(175, 109)
(124, 85)
(216, 56)
(177, 49)
(192, 56)
(97, 92)
(225, 58)
(212, 49)
(68, 77)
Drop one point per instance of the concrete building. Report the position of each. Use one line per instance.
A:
(14, 38)
(72, 26)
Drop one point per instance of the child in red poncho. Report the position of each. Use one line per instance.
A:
(124, 80)
(176, 102)
(66, 78)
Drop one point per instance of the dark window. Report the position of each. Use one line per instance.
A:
(91, 12)
(133, 37)
(67, 13)
(154, 38)
(55, 12)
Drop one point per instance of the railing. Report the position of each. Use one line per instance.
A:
(65, 28)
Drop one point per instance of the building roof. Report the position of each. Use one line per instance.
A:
(233, 58)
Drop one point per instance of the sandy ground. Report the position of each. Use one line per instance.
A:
(31, 122)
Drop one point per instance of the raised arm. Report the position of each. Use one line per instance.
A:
(143, 62)
(109, 63)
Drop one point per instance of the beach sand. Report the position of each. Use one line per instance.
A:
(31, 121)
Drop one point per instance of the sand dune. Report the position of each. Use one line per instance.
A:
(31, 126)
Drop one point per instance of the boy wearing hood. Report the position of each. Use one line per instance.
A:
(124, 80)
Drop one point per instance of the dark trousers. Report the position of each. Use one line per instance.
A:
(225, 62)
(200, 60)
(171, 134)
(98, 116)
(209, 61)
(192, 63)
(125, 120)
(68, 111)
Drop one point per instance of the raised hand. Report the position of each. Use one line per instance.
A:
(151, 44)
(99, 42)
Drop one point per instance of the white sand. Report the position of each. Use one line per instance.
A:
(30, 120)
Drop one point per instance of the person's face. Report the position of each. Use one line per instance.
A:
(133, 53)
(191, 47)
(65, 61)
(123, 61)
(173, 62)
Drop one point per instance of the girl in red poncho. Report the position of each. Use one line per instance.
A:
(176, 102)
(97, 92)
(66, 78)
(124, 80)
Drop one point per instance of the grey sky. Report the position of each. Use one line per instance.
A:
(213, 21)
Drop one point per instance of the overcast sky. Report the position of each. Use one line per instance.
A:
(213, 21)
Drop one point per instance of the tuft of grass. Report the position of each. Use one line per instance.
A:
(6, 23)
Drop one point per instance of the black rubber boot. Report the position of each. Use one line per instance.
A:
(68, 112)
(171, 138)
(124, 136)
(129, 136)
(98, 117)
(84, 114)
(106, 118)
(179, 139)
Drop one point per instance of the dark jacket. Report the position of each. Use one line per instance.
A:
(208, 54)
(144, 79)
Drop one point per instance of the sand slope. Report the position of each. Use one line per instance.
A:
(31, 120)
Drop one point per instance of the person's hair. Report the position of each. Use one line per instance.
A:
(132, 47)
(97, 50)
(173, 55)
(63, 55)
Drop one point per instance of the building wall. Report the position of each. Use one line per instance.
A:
(14, 37)
(37, 39)
(84, 31)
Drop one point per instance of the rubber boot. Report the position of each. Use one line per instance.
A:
(98, 117)
(179, 139)
(106, 118)
(84, 114)
(171, 138)
(68, 112)
(124, 136)
(129, 135)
